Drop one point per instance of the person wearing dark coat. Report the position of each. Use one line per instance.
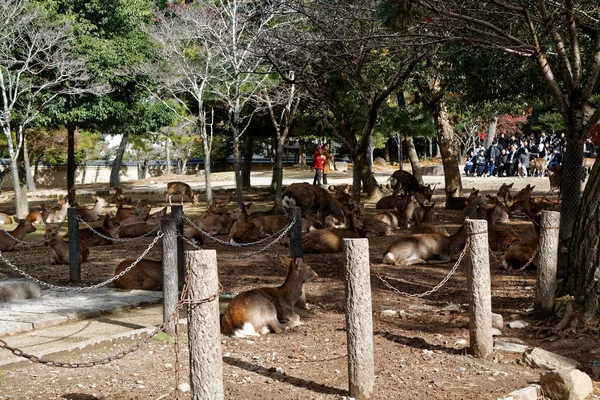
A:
(589, 148)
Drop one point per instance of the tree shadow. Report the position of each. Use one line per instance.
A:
(298, 382)
(418, 343)
(79, 396)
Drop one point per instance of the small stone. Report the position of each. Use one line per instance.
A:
(496, 332)
(545, 359)
(461, 342)
(168, 366)
(227, 354)
(571, 384)
(337, 371)
(141, 387)
(389, 313)
(79, 385)
(462, 370)
(279, 369)
(519, 324)
(184, 387)
(497, 321)
(139, 382)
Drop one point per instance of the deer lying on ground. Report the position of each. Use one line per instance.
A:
(134, 225)
(310, 222)
(271, 309)
(142, 209)
(59, 215)
(426, 225)
(146, 275)
(519, 252)
(39, 216)
(216, 220)
(277, 209)
(330, 240)
(313, 198)
(402, 180)
(425, 248)
(93, 214)
(405, 212)
(455, 203)
(504, 194)
(522, 198)
(342, 194)
(182, 189)
(243, 231)
(60, 248)
(393, 202)
(109, 228)
(5, 219)
(120, 196)
(24, 227)
(269, 224)
(500, 235)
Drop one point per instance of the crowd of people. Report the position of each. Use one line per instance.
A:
(510, 156)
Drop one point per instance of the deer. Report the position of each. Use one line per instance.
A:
(2, 174)
(426, 225)
(269, 224)
(109, 228)
(425, 248)
(537, 166)
(519, 252)
(342, 194)
(522, 200)
(243, 231)
(500, 235)
(391, 202)
(135, 230)
(142, 207)
(555, 177)
(216, 221)
(312, 198)
(455, 203)
(59, 215)
(93, 214)
(60, 248)
(402, 180)
(119, 195)
(146, 275)
(183, 189)
(277, 209)
(504, 194)
(23, 228)
(330, 240)
(269, 309)
(5, 219)
(405, 211)
(39, 216)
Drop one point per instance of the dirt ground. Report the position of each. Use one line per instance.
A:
(421, 352)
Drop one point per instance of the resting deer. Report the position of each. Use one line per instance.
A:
(521, 201)
(519, 252)
(263, 310)
(243, 231)
(425, 248)
(330, 240)
(426, 225)
(455, 203)
(5, 219)
(141, 207)
(392, 202)
(504, 194)
(183, 189)
(119, 195)
(277, 209)
(342, 194)
(217, 220)
(500, 235)
(93, 214)
(109, 228)
(23, 228)
(269, 224)
(313, 198)
(146, 275)
(59, 215)
(406, 210)
(60, 248)
(39, 216)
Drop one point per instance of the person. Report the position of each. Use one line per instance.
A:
(502, 141)
(480, 163)
(512, 160)
(318, 162)
(502, 167)
(492, 154)
(555, 158)
(589, 148)
(523, 157)
(469, 163)
(327, 162)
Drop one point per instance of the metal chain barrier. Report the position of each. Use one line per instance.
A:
(34, 242)
(537, 249)
(118, 240)
(438, 286)
(214, 239)
(82, 288)
(20, 353)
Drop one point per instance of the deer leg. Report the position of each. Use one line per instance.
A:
(411, 261)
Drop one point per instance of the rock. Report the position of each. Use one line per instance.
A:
(18, 289)
(389, 313)
(184, 387)
(496, 332)
(451, 308)
(508, 347)
(460, 342)
(341, 166)
(519, 324)
(497, 321)
(380, 162)
(529, 393)
(432, 170)
(544, 359)
(566, 384)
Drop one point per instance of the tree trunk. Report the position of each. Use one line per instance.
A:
(301, 154)
(116, 167)
(207, 170)
(237, 170)
(71, 167)
(572, 177)
(142, 169)
(362, 176)
(400, 159)
(414, 159)
(584, 257)
(168, 154)
(491, 133)
(277, 181)
(448, 146)
(247, 161)
(28, 174)
(430, 143)
(386, 152)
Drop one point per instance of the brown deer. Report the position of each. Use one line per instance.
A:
(142, 208)
(312, 198)
(392, 202)
(521, 201)
(39, 216)
(277, 209)
(243, 231)
(93, 214)
(269, 224)
(60, 248)
(183, 189)
(455, 203)
(271, 309)
(406, 211)
(23, 228)
(500, 235)
(425, 248)
(426, 225)
(342, 194)
(5, 219)
(135, 230)
(519, 252)
(403, 180)
(504, 194)
(555, 177)
(119, 195)
(216, 220)
(330, 240)
(146, 275)
(109, 228)
(59, 215)
(537, 166)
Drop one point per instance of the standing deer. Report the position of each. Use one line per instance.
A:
(313, 198)
(183, 189)
(270, 309)
(402, 180)
(24, 227)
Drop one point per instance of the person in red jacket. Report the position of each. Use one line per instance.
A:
(318, 162)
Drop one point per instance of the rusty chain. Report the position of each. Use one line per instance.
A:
(118, 240)
(435, 288)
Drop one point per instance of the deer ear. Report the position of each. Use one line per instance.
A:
(286, 261)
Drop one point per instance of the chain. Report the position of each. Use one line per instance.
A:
(285, 230)
(82, 288)
(530, 259)
(493, 255)
(438, 286)
(95, 232)
(31, 243)
(276, 240)
(19, 353)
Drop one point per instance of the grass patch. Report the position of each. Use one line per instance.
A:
(162, 337)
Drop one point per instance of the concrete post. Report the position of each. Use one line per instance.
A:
(169, 262)
(545, 285)
(177, 215)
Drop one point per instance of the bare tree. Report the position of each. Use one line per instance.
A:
(37, 64)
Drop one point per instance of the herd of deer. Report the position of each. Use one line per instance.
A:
(326, 219)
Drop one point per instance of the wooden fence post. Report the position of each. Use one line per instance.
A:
(204, 333)
(359, 320)
(74, 256)
(177, 215)
(545, 285)
(169, 262)
(296, 249)
(480, 291)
